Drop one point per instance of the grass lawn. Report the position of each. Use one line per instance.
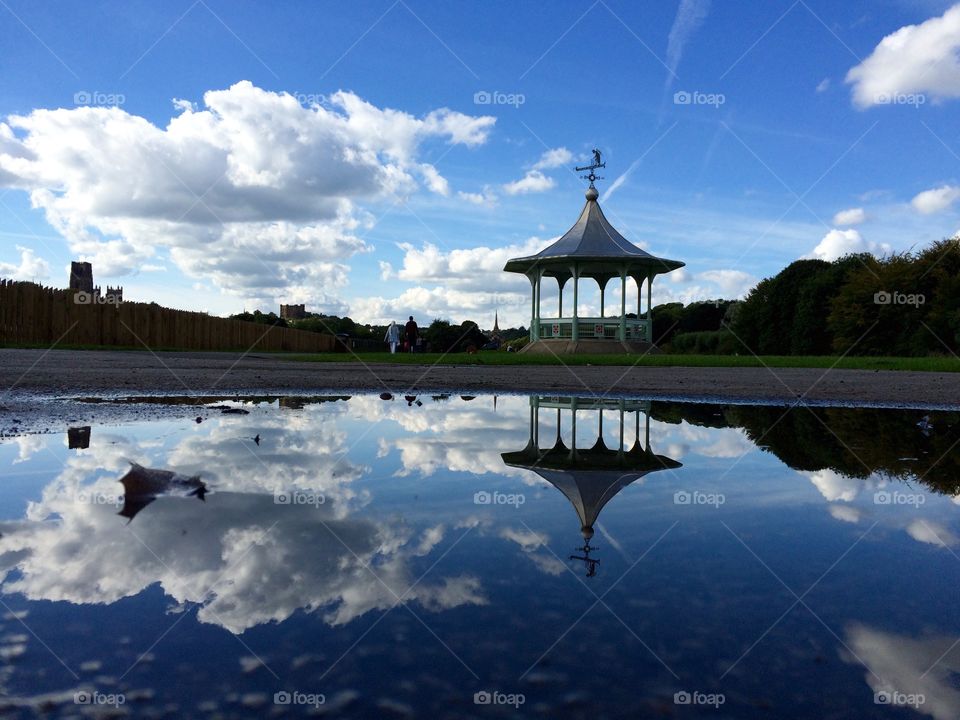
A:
(930, 364)
(936, 364)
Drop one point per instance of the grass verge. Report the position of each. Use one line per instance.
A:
(927, 364)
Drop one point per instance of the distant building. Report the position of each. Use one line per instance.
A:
(81, 280)
(293, 312)
(81, 277)
(495, 333)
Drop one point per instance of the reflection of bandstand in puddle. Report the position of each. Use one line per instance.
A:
(591, 476)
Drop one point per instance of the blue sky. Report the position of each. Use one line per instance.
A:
(382, 184)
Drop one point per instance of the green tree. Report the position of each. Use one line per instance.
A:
(765, 323)
(811, 333)
(260, 317)
(866, 319)
(666, 319)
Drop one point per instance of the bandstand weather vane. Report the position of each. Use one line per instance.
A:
(596, 164)
(589, 562)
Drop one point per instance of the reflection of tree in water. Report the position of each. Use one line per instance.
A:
(852, 441)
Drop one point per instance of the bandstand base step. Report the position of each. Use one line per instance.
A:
(589, 346)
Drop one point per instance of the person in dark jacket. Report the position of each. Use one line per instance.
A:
(411, 333)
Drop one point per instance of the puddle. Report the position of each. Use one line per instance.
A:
(474, 556)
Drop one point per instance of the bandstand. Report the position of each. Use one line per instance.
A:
(594, 249)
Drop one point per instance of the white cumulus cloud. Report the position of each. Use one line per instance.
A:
(834, 486)
(916, 59)
(457, 284)
(476, 268)
(434, 180)
(845, 513)
(57, 552)
(254, 193)
(933, 533)
(923, 665)
(557, 157)
(837, 243)
(487, 197)
(936, 200)
(850, 216)
(535, 180)
(31, 267)
(732, 283)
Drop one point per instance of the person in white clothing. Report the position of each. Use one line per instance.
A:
(392, 338)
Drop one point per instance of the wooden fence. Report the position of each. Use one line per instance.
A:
(31, 314)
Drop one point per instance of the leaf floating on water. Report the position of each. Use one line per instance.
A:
(141, 486)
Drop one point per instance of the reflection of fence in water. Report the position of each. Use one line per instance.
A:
(33, 314)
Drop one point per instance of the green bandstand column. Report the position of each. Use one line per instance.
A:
(575, 335)
(620, 450)
(533, 308)
(649, 308)
(573, 429)
(623, 306)
(537, 301)
(639, 296)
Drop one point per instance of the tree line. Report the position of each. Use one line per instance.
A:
(905, 304)
(888, 443)
(439, 336)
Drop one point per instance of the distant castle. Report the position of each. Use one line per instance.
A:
(293, 312)
(81, 280)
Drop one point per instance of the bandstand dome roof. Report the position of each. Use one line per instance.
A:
(591, 477)
(596, 247)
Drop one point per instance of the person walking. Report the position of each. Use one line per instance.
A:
(392, 338)
(412, 332)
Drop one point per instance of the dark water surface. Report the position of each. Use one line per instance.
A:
(454, 557)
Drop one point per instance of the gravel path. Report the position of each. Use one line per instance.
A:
(35, 383)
